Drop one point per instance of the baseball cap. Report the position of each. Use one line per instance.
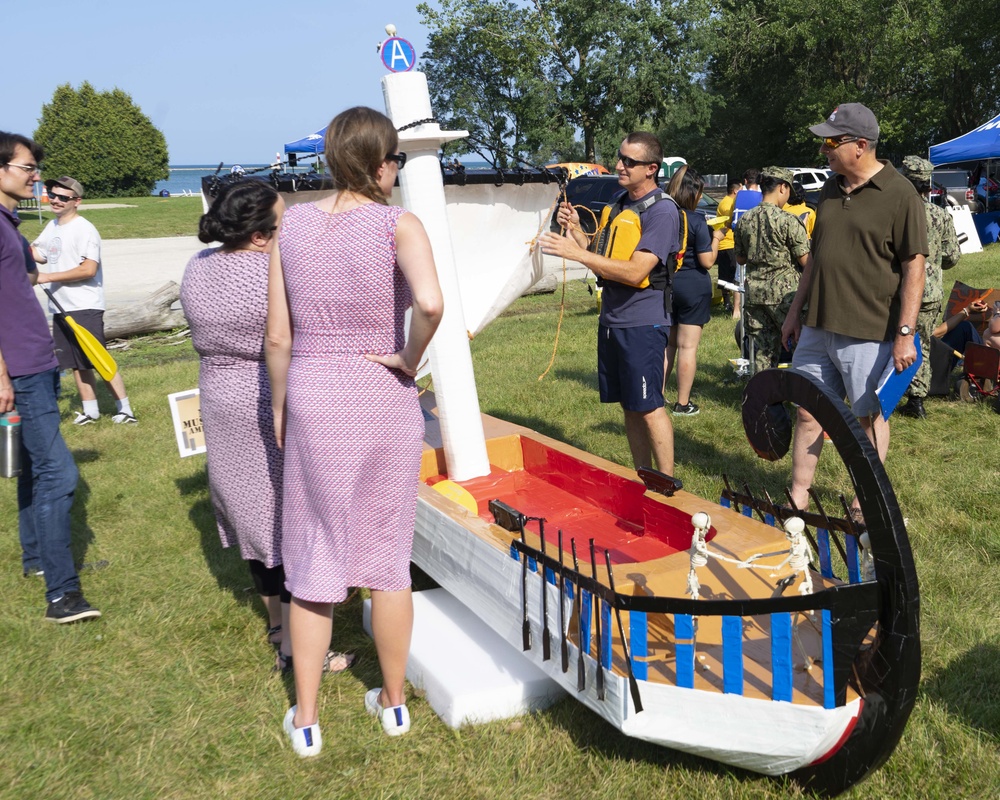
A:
(916, 168)
(779, 173)
(852, 119)
(67, 183)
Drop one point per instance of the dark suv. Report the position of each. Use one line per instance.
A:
(596, 191)
(950, 187)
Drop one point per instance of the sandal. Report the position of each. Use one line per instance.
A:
(333, 663)
(273, 631)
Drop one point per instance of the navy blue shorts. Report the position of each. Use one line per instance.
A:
(630, 366)
(692, 297)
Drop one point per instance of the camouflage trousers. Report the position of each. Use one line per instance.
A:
(763, 327)
(927, 321)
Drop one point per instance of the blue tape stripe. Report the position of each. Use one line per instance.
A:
(606, 634)
(747, 511)
(853, 562)
(829, 689)
(825, 561)
(781, 657)
(732, 655)
(684, 630)
(585, 613)
(550, 576)
(725, 502)
(638, 634)
(769, 519)
(513, 552)
(532, 564)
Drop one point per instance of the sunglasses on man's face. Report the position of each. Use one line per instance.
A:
(833, 144)
(629, 163)
(399, 158)
(62, 198)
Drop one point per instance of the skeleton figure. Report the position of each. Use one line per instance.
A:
(799, 553)
(698, 551)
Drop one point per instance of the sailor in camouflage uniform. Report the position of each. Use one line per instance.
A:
(773, 245)
(943, 253)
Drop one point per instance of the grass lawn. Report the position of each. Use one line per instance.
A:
(170, 694)
(144, 217)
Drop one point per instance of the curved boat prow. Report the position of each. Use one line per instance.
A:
(888, 673)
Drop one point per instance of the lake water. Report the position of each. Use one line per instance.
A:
(187, 177)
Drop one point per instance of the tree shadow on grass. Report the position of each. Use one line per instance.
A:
(81, 535)
(970, 688)
(225, 564)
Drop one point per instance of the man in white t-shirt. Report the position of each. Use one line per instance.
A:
(69, 248)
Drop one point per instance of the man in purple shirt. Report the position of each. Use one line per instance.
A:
(29, 380)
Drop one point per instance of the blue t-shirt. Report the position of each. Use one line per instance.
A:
(699, 240)
(745, 200)
(624, 306)
(25, 340)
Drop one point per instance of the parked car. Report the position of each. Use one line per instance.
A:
(987, 195)
(596, 191)
(812, 180)
(950, 187)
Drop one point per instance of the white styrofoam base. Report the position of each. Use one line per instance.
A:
(468, 672)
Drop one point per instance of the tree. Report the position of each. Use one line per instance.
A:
(532, 74)
(103, 140)
(924, 67)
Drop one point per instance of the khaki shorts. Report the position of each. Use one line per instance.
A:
(851, 368)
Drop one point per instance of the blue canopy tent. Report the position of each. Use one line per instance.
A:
(976, 145)
(313, 143)
(981, 144)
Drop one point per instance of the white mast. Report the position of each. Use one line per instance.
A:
(407, 101)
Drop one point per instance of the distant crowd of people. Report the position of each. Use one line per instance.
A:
(839, 291)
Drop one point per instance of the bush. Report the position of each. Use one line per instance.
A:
(103, 140)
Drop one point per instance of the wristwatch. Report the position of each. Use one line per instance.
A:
(905, 330)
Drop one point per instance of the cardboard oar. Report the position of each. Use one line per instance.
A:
(563, 645)
(92, 349)
(546, 635)
(597, 627)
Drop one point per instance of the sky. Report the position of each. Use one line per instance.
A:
(224, 80)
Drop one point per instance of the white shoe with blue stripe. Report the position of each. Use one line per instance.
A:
(395, 719)
(307, 741)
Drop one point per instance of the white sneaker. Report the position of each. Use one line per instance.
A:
(307, 741)
(121, 418)
(395, 719)
(84, 419)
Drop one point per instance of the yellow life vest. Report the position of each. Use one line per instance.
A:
(619, 231)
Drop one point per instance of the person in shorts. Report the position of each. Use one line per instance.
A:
(69, 250)
(863, 286)
(634, 323)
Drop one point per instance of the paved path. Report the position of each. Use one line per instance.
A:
(135, 268)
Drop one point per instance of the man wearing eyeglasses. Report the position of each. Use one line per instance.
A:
(863, 288)
(70, 249)
(634, 322)
(29, 379)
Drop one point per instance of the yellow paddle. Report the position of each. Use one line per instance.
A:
(92, 349)
(458, 494)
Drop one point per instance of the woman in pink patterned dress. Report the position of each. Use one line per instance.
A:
(343, 274)
(224, 296)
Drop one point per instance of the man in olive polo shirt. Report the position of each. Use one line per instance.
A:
(864, 286)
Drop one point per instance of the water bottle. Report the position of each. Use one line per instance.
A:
(10, 444)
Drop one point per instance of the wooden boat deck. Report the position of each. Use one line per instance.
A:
(647, 536)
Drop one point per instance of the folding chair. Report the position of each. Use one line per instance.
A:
(980, 373)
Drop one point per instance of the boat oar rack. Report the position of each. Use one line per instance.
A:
(847, 615)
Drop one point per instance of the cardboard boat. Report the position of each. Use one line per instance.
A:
(752, 673)
(716, 636)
